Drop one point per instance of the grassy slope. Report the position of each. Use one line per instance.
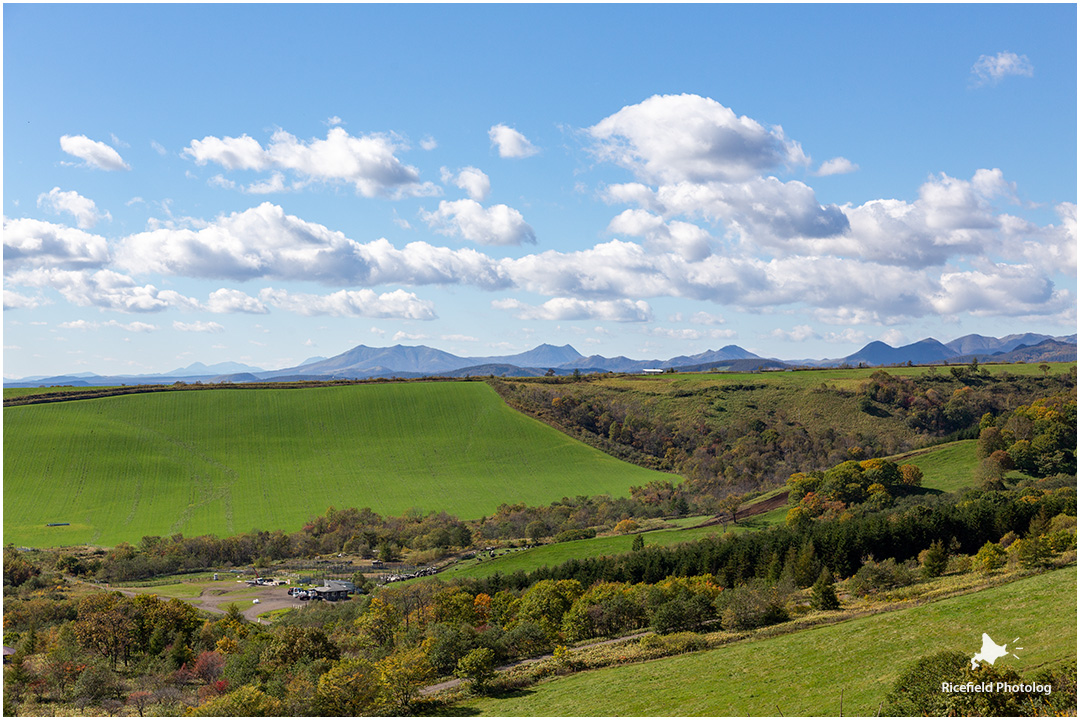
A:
(554, 554)
(949, 467)
(803, 673)
(223, 462)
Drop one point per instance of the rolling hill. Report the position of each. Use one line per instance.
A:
(222, 462)
(810, 672)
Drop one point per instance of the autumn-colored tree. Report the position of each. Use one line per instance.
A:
(247, 701)
(482, 608)
(547, 601)
(731, 505)
(478, 666)
(379, 622)
(291, 644)
(107, 625)
(454, 606)
(140, 700)
(348, 689)
(403, 674)
(208, 666)
(911, 475)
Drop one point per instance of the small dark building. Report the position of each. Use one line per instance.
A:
(333, 590)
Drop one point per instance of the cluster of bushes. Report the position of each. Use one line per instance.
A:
(567, 519)
(921, 689)
(829, 494)
(947, 403)
(363, 532)
(1038, 439)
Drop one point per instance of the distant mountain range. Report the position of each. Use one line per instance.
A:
(419, 361)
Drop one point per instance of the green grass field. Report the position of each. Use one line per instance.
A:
(948, 467)
(222, 462)
(554, 554)
(804, 673)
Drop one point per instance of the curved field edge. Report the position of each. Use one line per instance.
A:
(195, 462)
(804, 673)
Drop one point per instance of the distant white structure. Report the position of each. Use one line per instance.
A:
(653, 371)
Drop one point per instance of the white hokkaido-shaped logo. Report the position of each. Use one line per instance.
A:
(991, 651)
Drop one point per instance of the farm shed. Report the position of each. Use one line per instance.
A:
(332, 590)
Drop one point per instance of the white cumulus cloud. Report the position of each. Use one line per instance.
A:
(93, 153)
(18, 301)
(510, 143)
(68, 201)
(266, 242)
(495, 225)
(352, 303)
(104, 288)
(675, 138)
(836, 166)
(368, 162)
(129, 327)
(43, 244)
(472, 180)
(226, 300)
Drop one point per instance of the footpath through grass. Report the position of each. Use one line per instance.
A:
(804, 673)
(223, 462)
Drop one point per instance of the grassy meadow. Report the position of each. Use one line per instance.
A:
(948, 467)
(557, 553)
(804, 673)
(196, 462)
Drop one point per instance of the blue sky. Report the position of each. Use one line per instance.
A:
(264, 184)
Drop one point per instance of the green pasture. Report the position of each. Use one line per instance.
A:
(805, 672)
(223, 462)
(948, 467)
(554, 554)
(843, 378)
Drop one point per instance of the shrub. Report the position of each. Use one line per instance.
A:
(1033, 552)
(885, 575)
(675, 643)
(478, 667)
(352, 687)
(681, 614)
(919, 692)
(568, 535)
(753, 605)
(98, 683)
(989, 558)
(247, 701)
